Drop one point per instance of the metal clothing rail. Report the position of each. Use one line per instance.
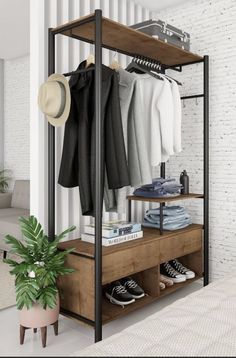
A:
(97, 18)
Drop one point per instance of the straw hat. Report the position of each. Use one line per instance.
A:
(54, 99)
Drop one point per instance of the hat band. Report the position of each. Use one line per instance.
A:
(63, 100)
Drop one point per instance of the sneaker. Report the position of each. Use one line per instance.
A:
(162, 286)
(182, 269)
(168, 271)
(132, 287)
(167, 281)
(118, 294)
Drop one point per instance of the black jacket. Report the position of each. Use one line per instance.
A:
(78, 157)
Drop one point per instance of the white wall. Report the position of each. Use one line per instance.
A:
(212, 25)
(69, 54)
(16, 117)
(1, 113)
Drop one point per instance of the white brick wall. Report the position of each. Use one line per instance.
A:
(212, 25)
(16, 117)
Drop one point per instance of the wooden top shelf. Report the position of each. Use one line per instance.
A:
(150, 234)
(122, 38)
(167, 199)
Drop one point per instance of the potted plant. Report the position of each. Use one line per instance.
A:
(4, 178)
(36, 274)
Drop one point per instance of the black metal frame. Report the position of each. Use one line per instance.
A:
(97, 18)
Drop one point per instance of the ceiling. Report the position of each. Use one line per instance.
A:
(14, 28)
(156, 5)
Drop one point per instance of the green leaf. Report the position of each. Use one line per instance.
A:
(17, 247)
(64, 233)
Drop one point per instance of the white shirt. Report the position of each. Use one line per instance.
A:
(157, 108)
(177, 117)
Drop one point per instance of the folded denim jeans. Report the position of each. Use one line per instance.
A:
(168, 210)
(159, 188)
(166, 219)
(154, 194)
(167, 226)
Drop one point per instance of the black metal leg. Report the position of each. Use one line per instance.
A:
(161, 218)
(4, 254)
(163, 170)
(98, 187)
(129, 210)
(51, 147)
(206, 170)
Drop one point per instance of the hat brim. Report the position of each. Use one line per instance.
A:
(60, 121)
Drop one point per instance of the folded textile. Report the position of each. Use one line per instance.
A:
(159, 187)
(168, 226)
(174, 217)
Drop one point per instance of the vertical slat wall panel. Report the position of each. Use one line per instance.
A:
(69, 53)
(63, 65)
(138, 207)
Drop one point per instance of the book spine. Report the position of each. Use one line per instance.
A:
(115, 240)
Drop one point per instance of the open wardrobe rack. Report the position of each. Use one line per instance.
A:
(105, 33)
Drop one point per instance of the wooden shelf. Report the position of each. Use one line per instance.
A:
(167, 199)
(124, 39)
(112, 311)
(150, 234)
(177, 286)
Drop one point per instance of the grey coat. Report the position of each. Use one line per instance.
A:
(135, 143)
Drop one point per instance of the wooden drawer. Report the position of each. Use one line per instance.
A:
(180, 245)
(129, 261)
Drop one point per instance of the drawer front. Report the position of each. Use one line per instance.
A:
(180, 245)
(77, 289)
(127, 262)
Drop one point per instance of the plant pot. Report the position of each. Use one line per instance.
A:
(37, 317)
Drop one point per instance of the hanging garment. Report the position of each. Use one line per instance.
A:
(135, 143)
(158, 117)
(177, 117)
(78, 157)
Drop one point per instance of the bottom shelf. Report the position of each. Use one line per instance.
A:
(177, 286)
(112, 311)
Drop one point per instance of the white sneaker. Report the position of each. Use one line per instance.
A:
(169, 272)
(182, 269)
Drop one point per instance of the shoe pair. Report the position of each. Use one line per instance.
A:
(175, 271)
(165, 282)
(124, 292)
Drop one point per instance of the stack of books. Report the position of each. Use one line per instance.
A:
(114, 232)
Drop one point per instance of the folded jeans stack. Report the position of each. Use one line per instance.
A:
(174, 218)
(159, 188)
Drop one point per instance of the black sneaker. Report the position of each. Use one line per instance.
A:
(118, 294)
(132, 287)
(182, 269)
(168, 271)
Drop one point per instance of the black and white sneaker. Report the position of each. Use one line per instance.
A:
(168, 271)
(118, 294)
(132, 287)
(182, 269)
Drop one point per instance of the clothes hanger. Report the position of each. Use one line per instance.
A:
(114, 65)
(138, 65)
(169, 78)
(90, 60)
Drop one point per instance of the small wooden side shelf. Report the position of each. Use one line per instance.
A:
(139, 258)
(166, 199)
